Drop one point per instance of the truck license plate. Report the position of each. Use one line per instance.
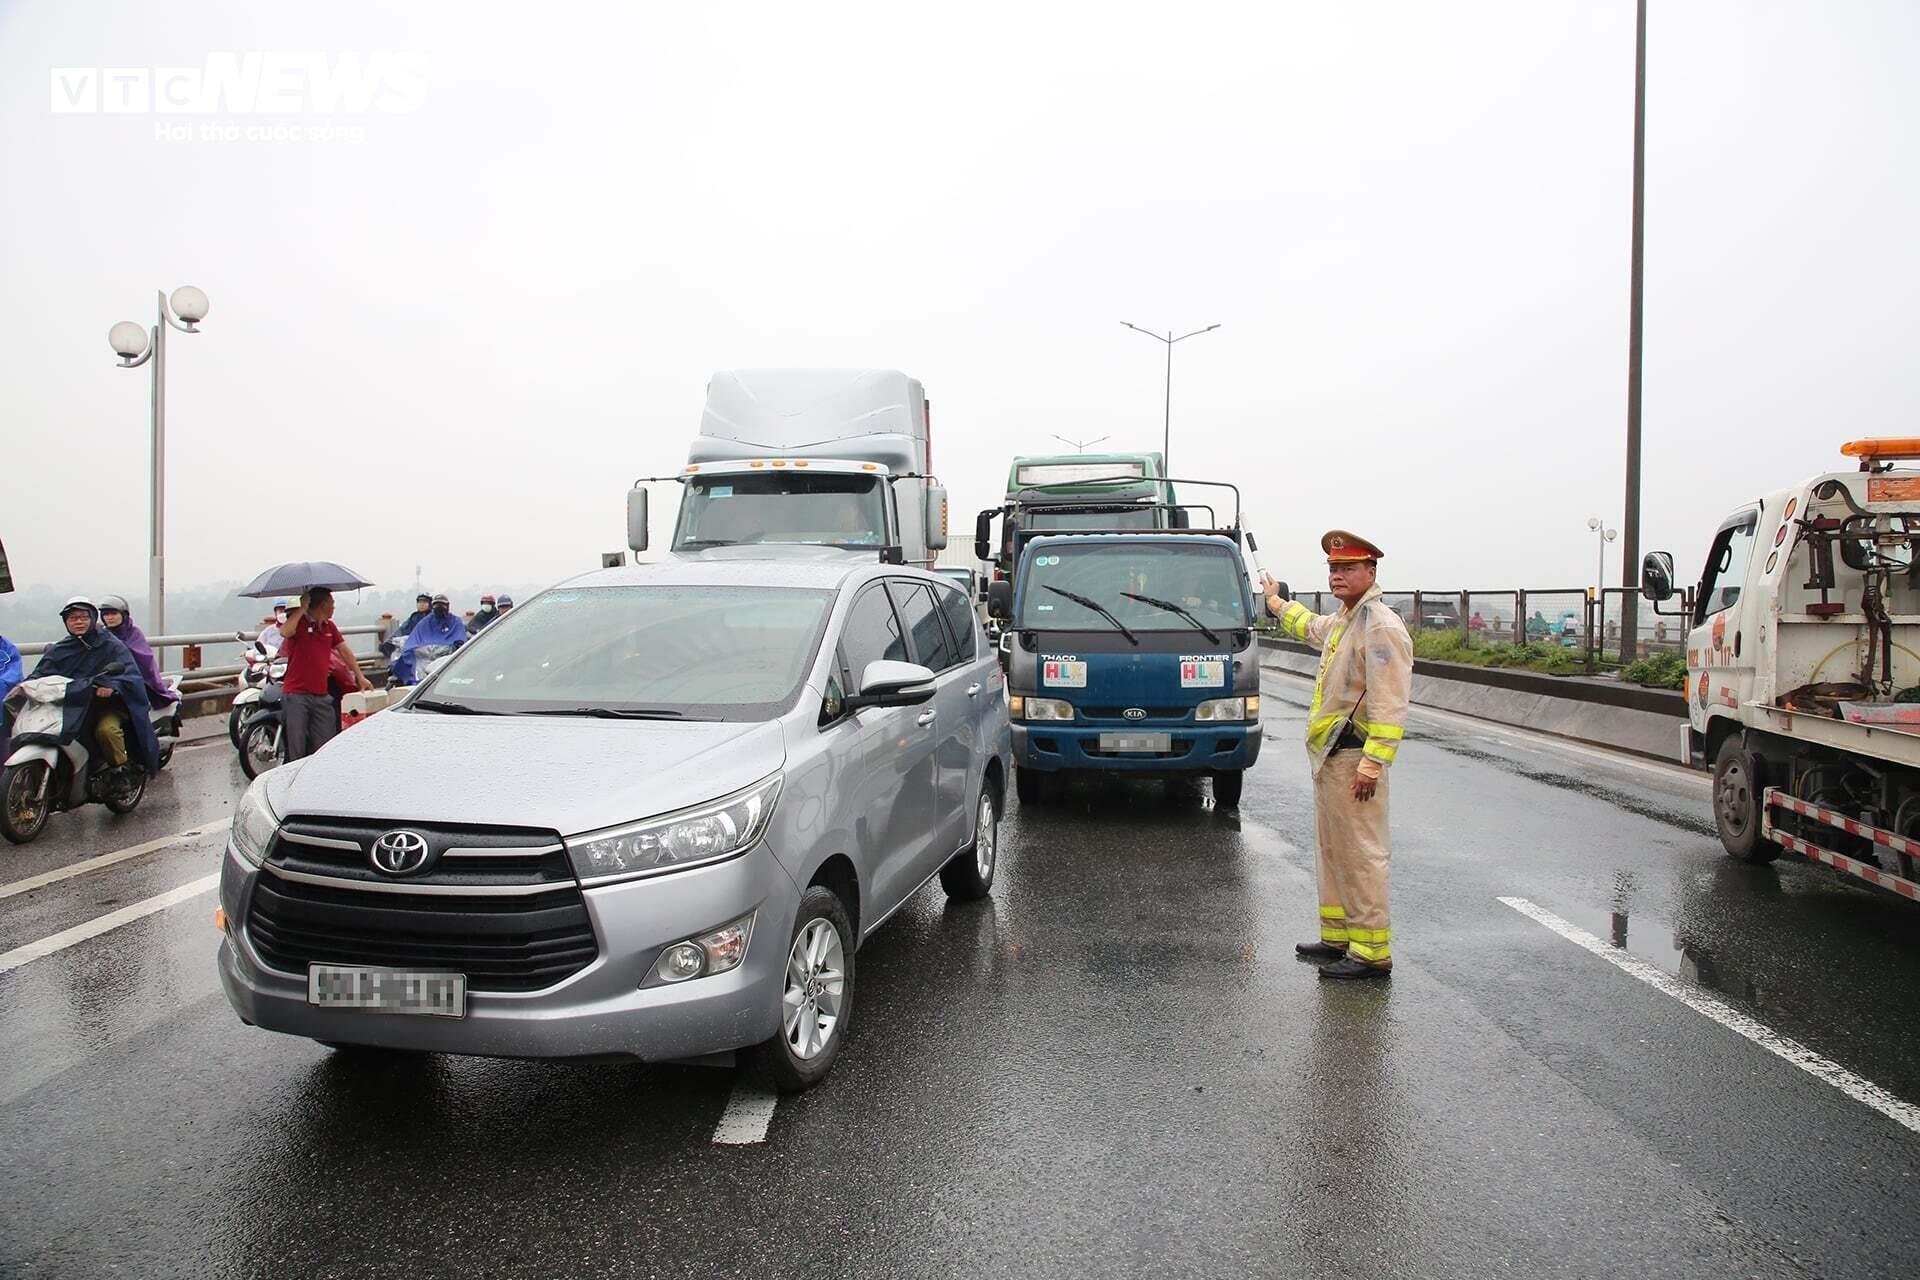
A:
(440, 995)
(1160, 743)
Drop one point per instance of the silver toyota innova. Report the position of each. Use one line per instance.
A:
(653, 812)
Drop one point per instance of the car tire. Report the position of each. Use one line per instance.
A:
(817, 975)
(1737, 794)
(1226, 788)
(968, 875)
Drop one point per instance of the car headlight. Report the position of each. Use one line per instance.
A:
(254, 823)
(674, 841)
(710, 953)
(1217, 710)
(1048, 709)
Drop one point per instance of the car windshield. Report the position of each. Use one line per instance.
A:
(817, 507)
(1127, 579)
(722, 653)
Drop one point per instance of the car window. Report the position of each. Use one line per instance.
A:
(1726, 570)
(932, 647)
(961, 622)
(871, 634)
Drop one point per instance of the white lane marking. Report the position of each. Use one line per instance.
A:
(46, 878)
(749, 1112)
(10, 960)
(1672, 772)
(1855, 1087)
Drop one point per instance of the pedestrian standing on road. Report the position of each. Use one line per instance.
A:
(1354, 728)
(308, 642)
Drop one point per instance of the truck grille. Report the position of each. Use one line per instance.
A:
(500, 905)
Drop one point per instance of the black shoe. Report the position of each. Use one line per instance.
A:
(1318, 951)
(1348, 967)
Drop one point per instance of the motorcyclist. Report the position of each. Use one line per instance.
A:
(439, 628)
(117, 618)
(505, 605)
(10, 673)
(487, 612)
(105, 688)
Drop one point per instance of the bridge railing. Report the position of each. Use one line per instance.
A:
(200, 683)
(1579, 619)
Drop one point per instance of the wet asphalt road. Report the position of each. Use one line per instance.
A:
(1113, 1067)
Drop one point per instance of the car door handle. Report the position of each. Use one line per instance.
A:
(973, 689)
(925, 718)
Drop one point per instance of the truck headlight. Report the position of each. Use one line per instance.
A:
(688, 837)
(1219, 710)
(1049, 709)
(254, 823)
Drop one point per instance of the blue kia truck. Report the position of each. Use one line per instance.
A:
(1133, 652)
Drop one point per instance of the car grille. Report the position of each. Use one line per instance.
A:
(1120, 713)
(498, 904)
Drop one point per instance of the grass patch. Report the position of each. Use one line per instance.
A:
(1661, 671)
(1451, 646)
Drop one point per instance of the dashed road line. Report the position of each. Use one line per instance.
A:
(11, 960)
(1789, 1050)
(105, 860)
(749, 1112)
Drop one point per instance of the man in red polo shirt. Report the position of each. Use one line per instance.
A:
(309, 642)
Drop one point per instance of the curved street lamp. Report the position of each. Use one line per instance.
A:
(183, 311)
(1166, 425)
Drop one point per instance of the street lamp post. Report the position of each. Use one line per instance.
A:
(1606, 535)
(183, 311)
(1166, 425)
(1630, 545)
(1079, 446)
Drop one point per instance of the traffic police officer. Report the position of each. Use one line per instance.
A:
(1354, 726)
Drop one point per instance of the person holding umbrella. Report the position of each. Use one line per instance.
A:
(308, 642)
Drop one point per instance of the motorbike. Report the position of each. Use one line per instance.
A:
(262, 743)
(259, 670)
(412, 668)
(44, 775)
(165, 719)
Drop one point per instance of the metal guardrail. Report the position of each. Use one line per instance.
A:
(222, 675)
(1530, 615)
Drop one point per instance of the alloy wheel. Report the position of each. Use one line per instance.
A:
(810, 1010)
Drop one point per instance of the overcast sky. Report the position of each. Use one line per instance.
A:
(453, 341)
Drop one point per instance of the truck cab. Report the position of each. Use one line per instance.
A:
(1803, 667)
(1131, 653)
(1059, 493)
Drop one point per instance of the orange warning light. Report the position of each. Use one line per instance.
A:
(1884, 447)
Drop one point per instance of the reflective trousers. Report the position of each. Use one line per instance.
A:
(1352, 861)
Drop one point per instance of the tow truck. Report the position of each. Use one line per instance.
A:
(1803, 668)
(1132, 652)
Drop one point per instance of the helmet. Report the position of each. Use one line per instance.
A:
(440, 597)
(78, 602)
(486, 599)
(505, 602)
(116, 603)
(281, 603)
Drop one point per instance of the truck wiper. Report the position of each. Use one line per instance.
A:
(1171, 607)
(617, 713)
(1098, 608)
(449, 708)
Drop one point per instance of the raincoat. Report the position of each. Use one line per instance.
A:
(84, 660)
(10, 666)
(449, 632)
(136, 641)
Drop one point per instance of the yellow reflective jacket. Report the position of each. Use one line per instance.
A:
(1366, 675)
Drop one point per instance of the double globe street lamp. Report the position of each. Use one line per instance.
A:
(183, 311)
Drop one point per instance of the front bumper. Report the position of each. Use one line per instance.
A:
(601, 1010)
(1054, 748)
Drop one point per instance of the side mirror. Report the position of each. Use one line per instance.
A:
(892, 684)
(983, 535)
(1656, 577)
(1000, 600)
(936, 517)
(637, 518)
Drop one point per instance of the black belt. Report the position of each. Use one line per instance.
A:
(1350, 739)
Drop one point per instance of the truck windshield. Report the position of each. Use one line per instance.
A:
(816, 507)
(675, 652)
(1135, 583)
(1041, 518)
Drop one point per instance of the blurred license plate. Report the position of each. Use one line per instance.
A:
(441, 995)
(1160, 742)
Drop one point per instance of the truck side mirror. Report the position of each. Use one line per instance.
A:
(936, 517)
(1656, 577)
(1000, 600)
(637, 518)
(983, 534)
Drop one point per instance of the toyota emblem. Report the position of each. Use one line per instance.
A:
(1135, 713)
(399, 853)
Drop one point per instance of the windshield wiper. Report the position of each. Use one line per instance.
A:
(450, 708)
(1171, 607)
(1098, 608)
(617, 713)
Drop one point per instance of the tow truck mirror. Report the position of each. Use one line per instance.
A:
(983, 535)
(936, 518)
(1000, 600)
(892, 684)
(1656, 577)
(637, 519)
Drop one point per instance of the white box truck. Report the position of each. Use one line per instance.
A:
(1803, 669)
(838, 458)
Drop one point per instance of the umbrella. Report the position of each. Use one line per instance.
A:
(303, 575)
